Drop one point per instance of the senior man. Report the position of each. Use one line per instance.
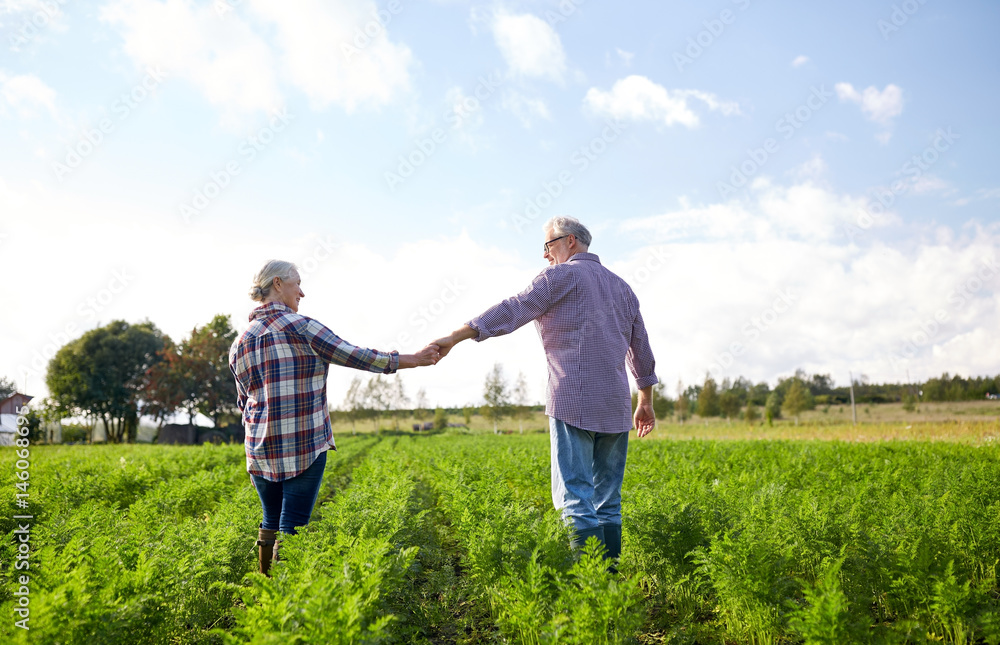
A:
(591, 329)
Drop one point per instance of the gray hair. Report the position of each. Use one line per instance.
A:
(264, 280)
(562, 225)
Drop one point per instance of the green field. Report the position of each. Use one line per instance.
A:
(451, 538)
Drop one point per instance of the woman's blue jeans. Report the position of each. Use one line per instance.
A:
(289, 503)
(587, 473)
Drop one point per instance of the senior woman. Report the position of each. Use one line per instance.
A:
(280, 364)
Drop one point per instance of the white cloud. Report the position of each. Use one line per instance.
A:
(625, 56)
(525, 109)
(235, 61)
(222, 56)
(329, 53)
(530, 46)
(759, 305)
(811, 169)
(800, 61)
(636, 98)
(880, 107)
(26, 93)
(467, 114)
(802, 211)
(928, 183)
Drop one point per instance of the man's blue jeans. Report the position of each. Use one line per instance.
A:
(289, 503)
(587, 472)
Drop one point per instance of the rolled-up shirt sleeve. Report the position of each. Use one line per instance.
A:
(514, 312)
(333, 349)
(640, 355)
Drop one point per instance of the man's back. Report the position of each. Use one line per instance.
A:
(590, 326)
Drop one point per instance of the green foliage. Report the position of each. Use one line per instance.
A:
(440, 419)
(797, 400)
(7, 387)
(101, 374)
(497, 395)
(452, 538)
(824, 619)
(663, 405)
(772, 409)
(708, 399)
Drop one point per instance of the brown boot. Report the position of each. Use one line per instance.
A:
(266, 549)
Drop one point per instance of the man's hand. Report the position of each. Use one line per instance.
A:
(644, 419)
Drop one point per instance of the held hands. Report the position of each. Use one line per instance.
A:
(429, 355)
(445, 343)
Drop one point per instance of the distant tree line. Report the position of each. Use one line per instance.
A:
(120, 372)
(799, 392)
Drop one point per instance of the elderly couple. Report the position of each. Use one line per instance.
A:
(591, 329)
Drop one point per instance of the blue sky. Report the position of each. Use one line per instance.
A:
(184, 143)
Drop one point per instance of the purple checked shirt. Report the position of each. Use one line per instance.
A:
(589, 322)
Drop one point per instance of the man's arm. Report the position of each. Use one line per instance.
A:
(462, 333)
(503, 317)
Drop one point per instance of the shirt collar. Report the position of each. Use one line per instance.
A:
(269, 309)
(584, 256)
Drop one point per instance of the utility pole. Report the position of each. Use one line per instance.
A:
(854, 411)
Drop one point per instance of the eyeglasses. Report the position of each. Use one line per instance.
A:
(545, 247)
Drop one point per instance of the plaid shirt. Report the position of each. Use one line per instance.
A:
(589, 322)
(281, 363)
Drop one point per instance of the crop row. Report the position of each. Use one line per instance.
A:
(453, 539)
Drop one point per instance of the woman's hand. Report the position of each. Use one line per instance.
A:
(429, 355)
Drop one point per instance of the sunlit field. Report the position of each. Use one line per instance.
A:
(450, 537)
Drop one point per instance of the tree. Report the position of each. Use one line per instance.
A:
(663, 405)
(795, 400)
(772, 408)
(101, 374)
(708, 399)
(497, 395)
(440, 419)
(420, 410)
(520, 397)
(751, 413)
(397, 398)
(729, 404)
(165, 385)
(467, 415)
(377, 399)
(7, 387)
(683, 404)
(354, 402)
(207, 353)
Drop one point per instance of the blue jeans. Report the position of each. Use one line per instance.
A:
(587, 472)
(289, 503)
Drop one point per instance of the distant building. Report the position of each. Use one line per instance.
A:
(8, 417)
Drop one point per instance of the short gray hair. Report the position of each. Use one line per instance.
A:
(562, 225)
(262, 282)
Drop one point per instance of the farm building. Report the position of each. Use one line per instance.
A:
(8, 417)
